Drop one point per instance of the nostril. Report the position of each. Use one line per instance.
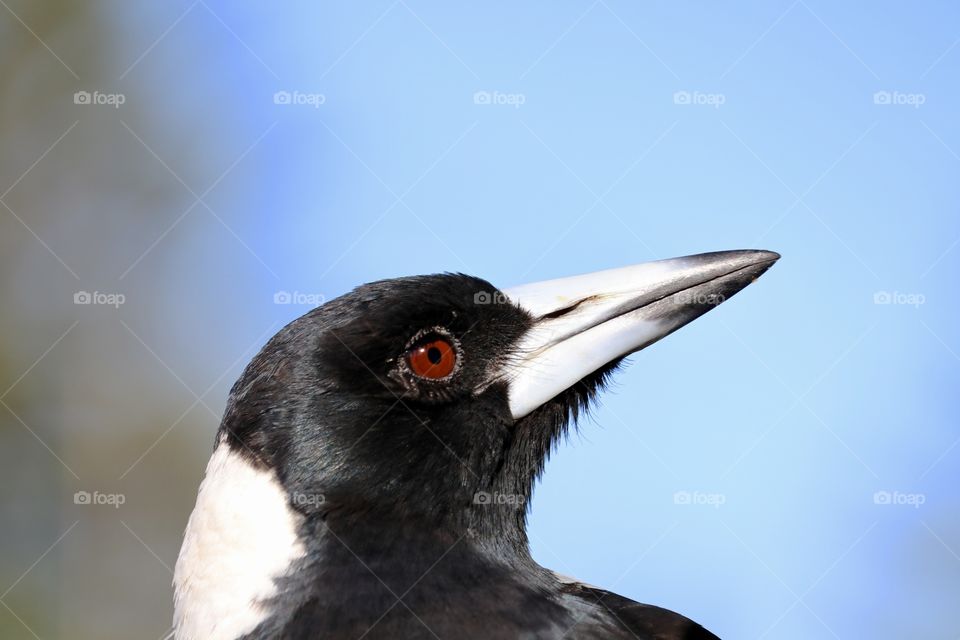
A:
(565, 310)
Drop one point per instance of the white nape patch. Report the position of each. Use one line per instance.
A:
(565, 579)
(241, 534)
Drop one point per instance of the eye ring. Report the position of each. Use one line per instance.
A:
(433, 355)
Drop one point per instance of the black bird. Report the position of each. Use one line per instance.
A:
(371, 475)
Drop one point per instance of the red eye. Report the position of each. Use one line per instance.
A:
(433, 359)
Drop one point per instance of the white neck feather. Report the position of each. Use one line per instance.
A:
(241, 535)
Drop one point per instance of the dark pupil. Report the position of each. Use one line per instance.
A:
(434, 355)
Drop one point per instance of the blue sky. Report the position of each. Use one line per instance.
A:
(811, 421)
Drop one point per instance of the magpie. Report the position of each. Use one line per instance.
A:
(372, 473)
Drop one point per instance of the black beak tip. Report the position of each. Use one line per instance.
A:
(761, 261)
(769, 256)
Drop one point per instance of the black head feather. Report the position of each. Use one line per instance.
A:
(330, 407)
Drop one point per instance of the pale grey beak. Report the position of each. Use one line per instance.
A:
(585, 322)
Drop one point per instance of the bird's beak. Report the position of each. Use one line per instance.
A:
(585, 322)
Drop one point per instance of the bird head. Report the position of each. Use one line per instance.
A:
(437, 399)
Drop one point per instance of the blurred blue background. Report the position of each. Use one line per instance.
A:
(785, 467)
